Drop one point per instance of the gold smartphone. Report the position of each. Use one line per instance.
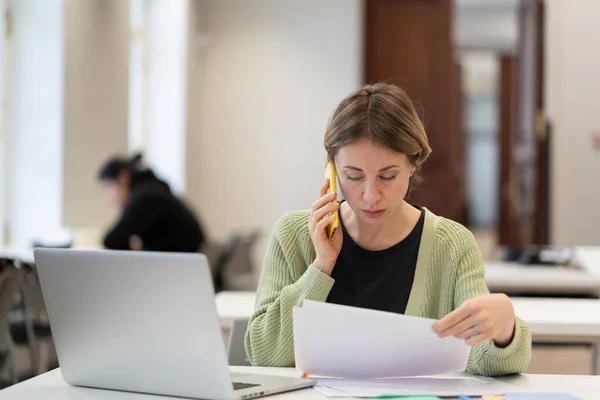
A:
(331, 175)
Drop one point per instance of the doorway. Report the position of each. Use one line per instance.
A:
(500, 48)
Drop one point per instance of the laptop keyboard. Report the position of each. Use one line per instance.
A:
(241, 385)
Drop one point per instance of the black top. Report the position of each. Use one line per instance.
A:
(378, 280)
(161, 220)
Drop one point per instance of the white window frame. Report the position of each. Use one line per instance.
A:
(138, 75)
(5, 56)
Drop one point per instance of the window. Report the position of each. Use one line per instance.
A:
(5, 26)
(138, 74)
(157, 86)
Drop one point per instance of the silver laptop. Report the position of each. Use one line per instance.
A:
(142, 322)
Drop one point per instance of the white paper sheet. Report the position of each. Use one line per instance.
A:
(416, 386)
(340, 341)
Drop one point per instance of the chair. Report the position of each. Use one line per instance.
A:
(236, 351)
(31, 328)
(235, 266)
(212, 250)
(11, 280)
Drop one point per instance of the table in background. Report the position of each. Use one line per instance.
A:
(552, 322)
(18, 253)
(515, 279)
(566, 323)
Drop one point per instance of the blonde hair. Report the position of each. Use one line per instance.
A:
(383, 114)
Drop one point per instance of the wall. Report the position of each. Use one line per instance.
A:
(268, 74)
(573, 105)
(95, 102)
(198, 43)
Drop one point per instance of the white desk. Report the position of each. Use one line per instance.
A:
(19, 253)
(568, 318)
(551, 321)
(513, 277)
(576, 318)
(25, 254)
(588, 257)
(500, 276)
(234, 305)
(563, 322)
(51, 386)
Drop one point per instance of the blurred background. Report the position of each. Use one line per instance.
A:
(228, 101)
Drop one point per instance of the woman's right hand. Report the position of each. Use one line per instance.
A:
(327, 250)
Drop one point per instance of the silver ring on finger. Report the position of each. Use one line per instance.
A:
(475, 333)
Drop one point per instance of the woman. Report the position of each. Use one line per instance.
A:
(388, 255)
(152, 218)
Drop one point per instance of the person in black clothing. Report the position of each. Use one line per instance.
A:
(152, 217)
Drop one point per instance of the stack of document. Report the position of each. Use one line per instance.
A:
(339, 341)
(442, 386)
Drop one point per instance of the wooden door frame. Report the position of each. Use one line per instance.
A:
(506, 228)
(409, 43)
(517, 227)
(542, 220)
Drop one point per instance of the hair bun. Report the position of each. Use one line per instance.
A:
(136, 158)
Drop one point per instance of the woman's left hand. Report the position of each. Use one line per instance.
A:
(479, 319)
(135, 243)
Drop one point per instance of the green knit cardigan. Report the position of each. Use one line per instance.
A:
(449, 271)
